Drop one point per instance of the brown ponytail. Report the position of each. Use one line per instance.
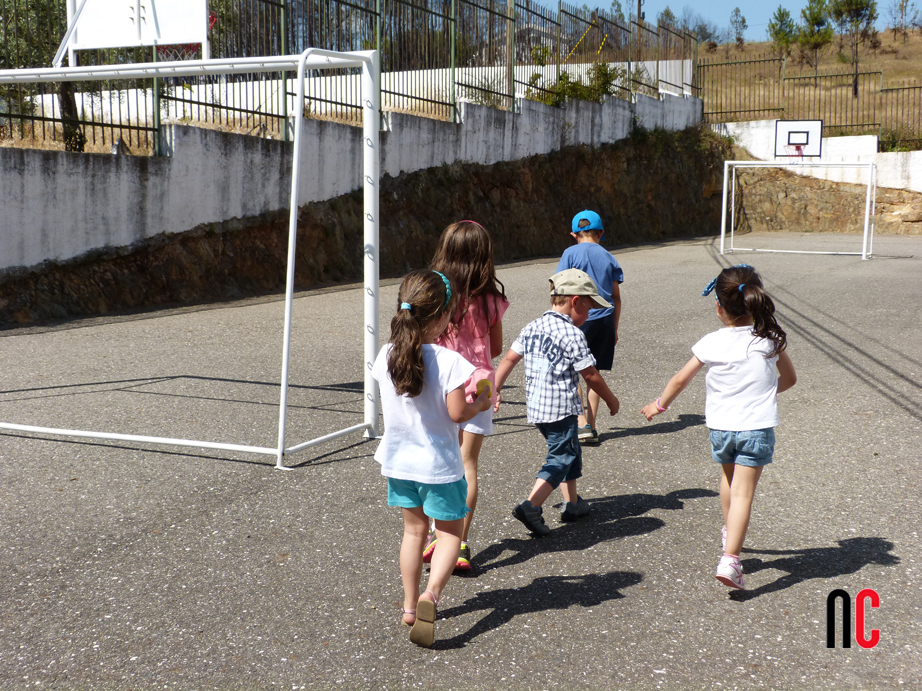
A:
(423, 298)
(740, 292)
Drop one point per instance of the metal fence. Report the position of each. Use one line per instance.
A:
(847, 103)
(433, 54)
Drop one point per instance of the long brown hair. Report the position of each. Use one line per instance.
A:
(740, 292)
(465, 255)
(423, 298)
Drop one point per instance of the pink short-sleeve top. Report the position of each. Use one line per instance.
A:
(472, 338)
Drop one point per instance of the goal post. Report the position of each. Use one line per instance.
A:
(730, 200)
(313, 59)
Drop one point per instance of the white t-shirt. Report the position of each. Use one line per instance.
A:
(420, 440)
(742, 384)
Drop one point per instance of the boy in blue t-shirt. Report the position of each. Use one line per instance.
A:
(601, 328)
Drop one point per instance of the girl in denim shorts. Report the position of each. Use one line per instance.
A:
(423, 401)
(748, 366)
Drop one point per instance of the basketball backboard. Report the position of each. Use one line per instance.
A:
(129, 23)
(798, 138)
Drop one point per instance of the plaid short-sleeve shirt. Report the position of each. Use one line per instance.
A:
(555, 351)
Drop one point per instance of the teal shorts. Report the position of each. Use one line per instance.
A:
(446, 502)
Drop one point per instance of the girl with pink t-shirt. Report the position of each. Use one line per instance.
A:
(465, 255)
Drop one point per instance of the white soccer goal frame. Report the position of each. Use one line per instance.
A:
(729, 186)
(315, 59)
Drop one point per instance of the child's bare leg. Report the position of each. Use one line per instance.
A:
(726, 479)
(540, 492)
(593, 410)
(445, 556)
(470, 454)
(415, 529)
(568, 489)
(742, 490)
(581, 419)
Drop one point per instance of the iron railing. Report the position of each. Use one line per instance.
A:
(846, 102)
(433, 54)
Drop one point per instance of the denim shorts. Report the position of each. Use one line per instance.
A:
(447, 502)
(752, 448)
(564, 461)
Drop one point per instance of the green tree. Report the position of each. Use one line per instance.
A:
(738, 26)
(29, 37)
(667, 18)
(617, 12)
(855, 21)
(815, 32)
(782, 31)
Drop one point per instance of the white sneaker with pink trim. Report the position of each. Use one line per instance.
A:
(730, 572)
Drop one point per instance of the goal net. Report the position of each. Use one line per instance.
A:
(310, 59)
(737, 214)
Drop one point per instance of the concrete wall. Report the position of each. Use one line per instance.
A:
(59, 205)
(896, 170)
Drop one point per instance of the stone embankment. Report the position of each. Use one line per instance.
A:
(652, 186)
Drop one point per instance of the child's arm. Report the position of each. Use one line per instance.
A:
(496, 339)
(595, 382)
(675, 386)
(616, 303)
(505, 367)
(787, 377)
(459, 410)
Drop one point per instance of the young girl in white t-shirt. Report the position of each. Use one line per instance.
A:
(423, 401)
(747, 367)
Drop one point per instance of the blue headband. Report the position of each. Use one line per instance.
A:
(713, 284)
(447, 287)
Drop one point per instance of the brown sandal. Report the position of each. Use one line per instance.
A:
(423, 631)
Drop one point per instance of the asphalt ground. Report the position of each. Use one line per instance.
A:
(129, 566)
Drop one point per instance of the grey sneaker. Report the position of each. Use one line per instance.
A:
(584, 433)
(570, 511)
(592, 439)
(531, 518)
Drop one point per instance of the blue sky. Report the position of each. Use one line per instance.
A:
(718, 11)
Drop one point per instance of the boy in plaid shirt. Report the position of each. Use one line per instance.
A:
(555, 350)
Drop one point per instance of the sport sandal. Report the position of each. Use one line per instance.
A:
(464, 558)
(423, 631)
(573, 511)
(531, 518)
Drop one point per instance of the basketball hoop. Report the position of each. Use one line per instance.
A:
(184, 51)
(795, 151)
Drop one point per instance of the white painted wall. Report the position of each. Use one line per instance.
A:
(60, 205)
(895, 170)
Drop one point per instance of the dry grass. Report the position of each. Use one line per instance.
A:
(899, 60)
(753, 91)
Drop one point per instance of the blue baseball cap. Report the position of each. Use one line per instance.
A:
(595, 223)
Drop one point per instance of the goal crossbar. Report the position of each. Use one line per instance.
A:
(314, 59)
(729, 188)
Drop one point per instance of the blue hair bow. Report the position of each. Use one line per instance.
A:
(713, 284)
